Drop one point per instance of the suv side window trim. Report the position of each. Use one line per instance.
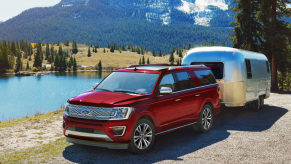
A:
(196, 87)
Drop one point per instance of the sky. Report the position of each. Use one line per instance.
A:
(11, 8)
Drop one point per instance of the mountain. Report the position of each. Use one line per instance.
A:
(155, 24)
(199, 12)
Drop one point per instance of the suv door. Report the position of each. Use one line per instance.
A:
(173, 110)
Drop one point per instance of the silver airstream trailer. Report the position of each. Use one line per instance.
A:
(244, 77)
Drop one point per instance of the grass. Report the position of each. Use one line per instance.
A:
(109, 59)
(35, 119)
(35, 154)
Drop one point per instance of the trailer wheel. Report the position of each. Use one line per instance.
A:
(262, 102)
(257, 104)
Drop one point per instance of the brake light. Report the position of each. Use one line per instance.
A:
(218, 89)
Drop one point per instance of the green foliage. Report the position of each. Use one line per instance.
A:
(139, 61)
(89, 52)
(27, 65)
(38, 57)
(148, 61)
(67, 42)
(74, 47)
(100, 66)
(74, 64)
(143, 60)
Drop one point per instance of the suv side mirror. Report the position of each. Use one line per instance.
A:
(95, 85)
(166, 90)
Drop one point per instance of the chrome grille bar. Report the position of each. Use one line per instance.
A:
(95, 113)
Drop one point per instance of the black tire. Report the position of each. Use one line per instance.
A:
(139, 145)
(257, 104)
(262, 102)
(205, 120)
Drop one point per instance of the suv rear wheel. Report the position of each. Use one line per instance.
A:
(205, 120)
(143, 137)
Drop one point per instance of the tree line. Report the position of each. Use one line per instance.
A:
(260, 26)
(60, 60)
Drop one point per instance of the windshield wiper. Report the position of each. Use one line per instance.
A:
(107, 90)
(120, 90)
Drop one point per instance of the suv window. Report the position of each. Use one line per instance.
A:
(184, 81)
(168, 81)
(205, 77)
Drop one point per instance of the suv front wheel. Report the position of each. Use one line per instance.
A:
(205, 120)
(143, 137)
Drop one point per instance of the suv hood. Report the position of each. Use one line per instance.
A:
(105, 99)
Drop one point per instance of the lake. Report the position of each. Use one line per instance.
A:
(21, 96)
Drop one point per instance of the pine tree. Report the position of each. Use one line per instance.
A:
(58, 43)
(180, 52)
(67, 42)
(18, 63)
(108, 45)
(100, 66)
(142, 50)
(143, 60)
(246, 30)
(139, 61)
(112, 48)
(154, 53)
(37, 59)
(13, 48)
(89, 52)
(103, 50)
(148, 61)
(27, 65)
(160, 54)
(75, 65)
(47, 51)
(171, 58)
(276, 35)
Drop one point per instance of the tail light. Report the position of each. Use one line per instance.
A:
(218, 89)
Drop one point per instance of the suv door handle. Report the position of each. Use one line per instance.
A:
(178, 99)
(197, 95)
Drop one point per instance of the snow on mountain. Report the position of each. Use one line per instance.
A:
(201, 11)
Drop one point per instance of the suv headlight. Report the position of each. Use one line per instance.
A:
(121, 113)
(67, 110)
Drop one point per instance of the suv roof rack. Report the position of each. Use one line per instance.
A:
(186, 66)
(142, 65)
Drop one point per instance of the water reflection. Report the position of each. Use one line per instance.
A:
(25, 95)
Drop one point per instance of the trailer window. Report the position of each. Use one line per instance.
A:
(267, 63)
(249, 69)
(216, 68)
(205, 77)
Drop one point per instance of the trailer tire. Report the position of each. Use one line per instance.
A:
(262, 102)
(257, 104)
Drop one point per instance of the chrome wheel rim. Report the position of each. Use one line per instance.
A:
(206, 118)
(143, 135)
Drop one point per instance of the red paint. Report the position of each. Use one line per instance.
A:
(165, 111)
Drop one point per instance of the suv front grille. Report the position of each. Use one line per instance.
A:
(89, 112)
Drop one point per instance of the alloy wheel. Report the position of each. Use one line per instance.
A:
(206, 119)
(143, 136)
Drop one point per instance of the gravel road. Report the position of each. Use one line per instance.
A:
(239, 135)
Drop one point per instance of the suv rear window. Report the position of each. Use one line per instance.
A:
(184, 81)
(205, 77)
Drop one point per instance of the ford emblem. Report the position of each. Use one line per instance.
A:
(85, 112)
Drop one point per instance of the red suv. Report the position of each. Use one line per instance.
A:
(133, 105)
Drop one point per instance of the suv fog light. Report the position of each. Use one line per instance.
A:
(119, 130)
(64, 124)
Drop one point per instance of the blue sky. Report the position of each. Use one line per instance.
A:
(11, 8)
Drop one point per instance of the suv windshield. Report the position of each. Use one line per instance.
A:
(128, 82)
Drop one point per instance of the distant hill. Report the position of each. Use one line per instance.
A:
(99, 22)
